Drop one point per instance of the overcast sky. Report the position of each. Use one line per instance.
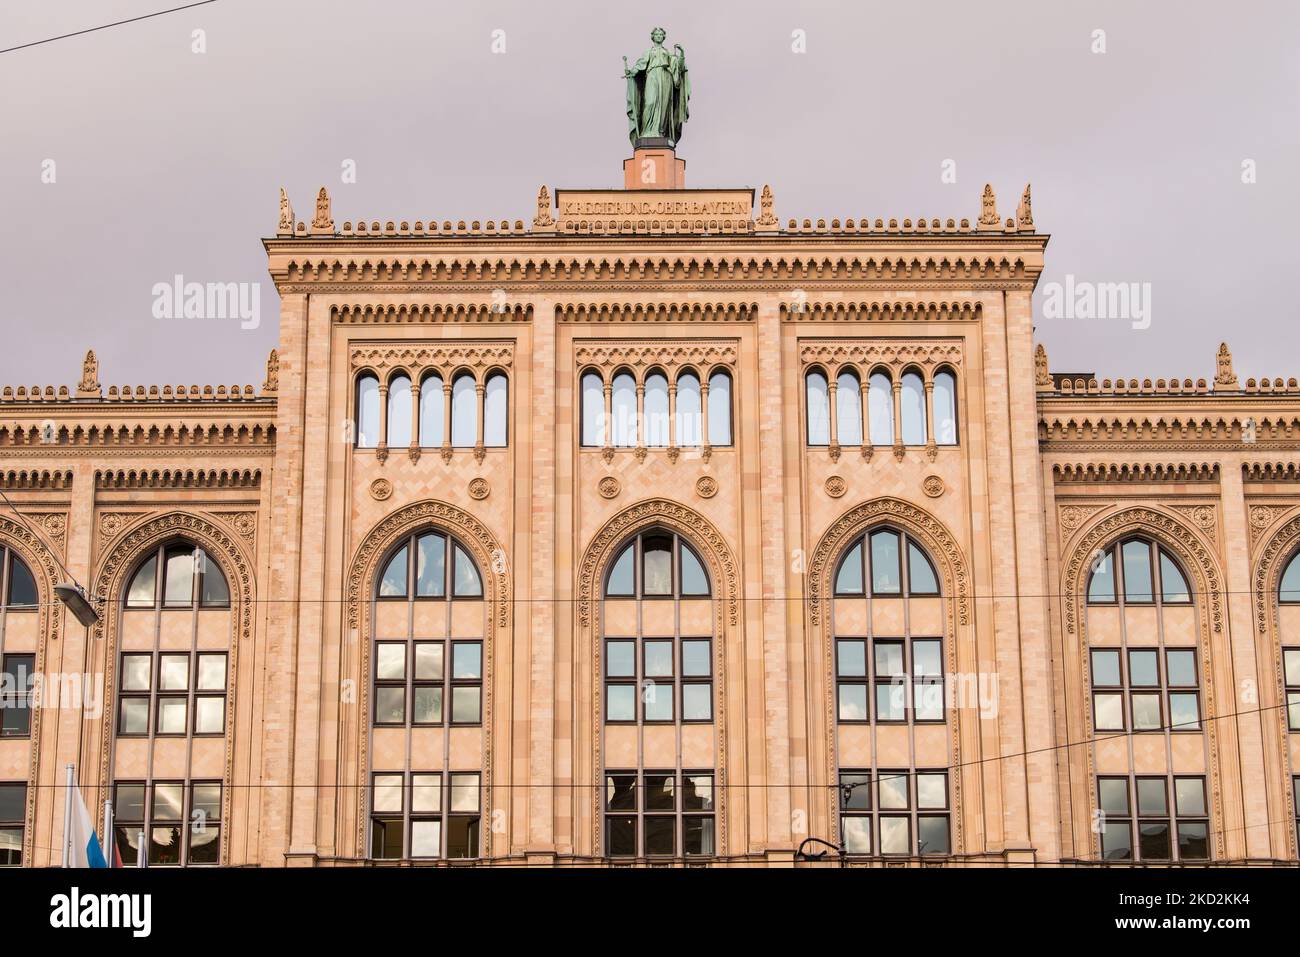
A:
(168, 161)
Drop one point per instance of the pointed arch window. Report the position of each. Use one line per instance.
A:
(495, 411)
(432, 411)
(848, 408)
(399, 411)
(719, 409)
(912, 400)
(593, 410)
(656, 410)
(690, 411)
(464, 411)
(945, 408)
(623, 411)
(367, 416)
(819, 408)
(880, 408)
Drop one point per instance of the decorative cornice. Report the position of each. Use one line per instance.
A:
(66, 436)
(882, 311)
(385, 313)
(24, 479)
(656, 312)
(1136, 472)
(177, 478)
(1270, 472)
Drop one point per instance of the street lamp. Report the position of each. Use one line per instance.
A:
(74, 596)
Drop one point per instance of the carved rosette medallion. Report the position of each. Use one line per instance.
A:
(933, 486)
(609, 487)
(706, 486)
(836, 486)
(381, 489)
(479, 489)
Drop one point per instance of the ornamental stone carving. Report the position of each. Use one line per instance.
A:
(479, 489)
(932, 485)
(609, 487)
(381, 489)
(706, 486)
(835, 486)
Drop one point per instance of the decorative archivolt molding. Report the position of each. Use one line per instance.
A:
(178, 478)
(385, 313)
(895, 354)
(229, 553)
(468, 529)
(445, 359)
(1198, 558)
(668, 355)
(932, 533)
(36, 479)
(36, 554)
(681, 519)
(953, 572)
(792, 266)
(717, 555)
(656, 312)
(882, 311)
(365, 569)
(1065, 472)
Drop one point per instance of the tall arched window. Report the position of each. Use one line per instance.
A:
(464, 411)
(399, 412)
(690, 411)
(880, 408)
(593, 411)
(912, 401)
(1289, 586)
(172, 679)
(367, 417)
(819, 408)
(18, 660)
(889, 671)
(623, 410)
(658, 652)
(719, 409)
(1288, 593)
(848, 408)
(945, 408)
(1142, 659)
(656, 410)
(496, 411)
(425, 799)
(432, 411)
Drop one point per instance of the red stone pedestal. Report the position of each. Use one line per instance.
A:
(654, 167)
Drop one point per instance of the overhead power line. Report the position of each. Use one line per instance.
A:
(106, 26)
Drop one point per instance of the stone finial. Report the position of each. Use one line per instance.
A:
(272, 384)
(1025, 212)
(285, 228)
(989, 213)
(767, 216)
(543, 219)
(324, 222)
(89, 384)
(1042, 375)
(1225, 378)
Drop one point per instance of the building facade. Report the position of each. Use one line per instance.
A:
(653, 530)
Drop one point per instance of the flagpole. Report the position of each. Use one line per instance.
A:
(67, 814)
(108, 833)
(141, 858)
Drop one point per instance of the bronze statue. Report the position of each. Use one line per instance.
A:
(658, 93)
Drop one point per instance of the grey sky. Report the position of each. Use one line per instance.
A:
(169, 161)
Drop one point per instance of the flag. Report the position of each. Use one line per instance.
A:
(85, 847)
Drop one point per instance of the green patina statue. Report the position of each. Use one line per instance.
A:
(658, 93)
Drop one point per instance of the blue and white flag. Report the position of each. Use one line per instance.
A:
(85, 847)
